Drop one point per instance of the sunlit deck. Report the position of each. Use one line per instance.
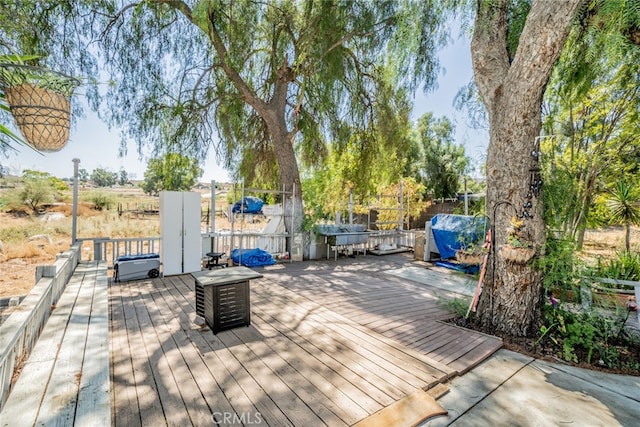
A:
(330, 344)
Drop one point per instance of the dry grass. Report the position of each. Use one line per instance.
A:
(19, 256)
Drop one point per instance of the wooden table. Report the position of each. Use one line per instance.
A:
(223, 297)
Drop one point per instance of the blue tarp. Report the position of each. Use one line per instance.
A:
(449, 231)
(468, 269)
(248, 204)
(252, 257)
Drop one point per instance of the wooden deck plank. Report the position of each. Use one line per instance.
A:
(413, 331)
(227, 396)
(476, 355)
(342, 395)
(150, 405)
(365, 390)
(124, 400)
(166, 385)
(59, 402)
(33, 382)
(176, 356)
(351, 302)
(329, 344)
(263, 403)
(281, 393)
(323, 336)
(310, 391)
(94, 405)
(354, 361)
(384, 346)
(386, 361)
(206, 383)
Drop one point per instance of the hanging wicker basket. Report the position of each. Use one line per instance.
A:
(39, 101)
(516, 255)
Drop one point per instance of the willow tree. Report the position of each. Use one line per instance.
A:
(264, 83)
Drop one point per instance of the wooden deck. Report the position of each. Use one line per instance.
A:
(65, 380)
(330, 344)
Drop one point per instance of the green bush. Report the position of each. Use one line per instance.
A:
(586, 336)
(101, 200)
(626, 266)
(560, 268)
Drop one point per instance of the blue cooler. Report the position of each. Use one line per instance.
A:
(135, 267)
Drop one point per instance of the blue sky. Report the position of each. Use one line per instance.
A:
(97, 147)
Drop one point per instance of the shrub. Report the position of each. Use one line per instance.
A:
(588, 337)
(560, 268)
(101, 200)
(626, 266)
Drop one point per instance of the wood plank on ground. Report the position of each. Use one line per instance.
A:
(385, 347)
(407, 412)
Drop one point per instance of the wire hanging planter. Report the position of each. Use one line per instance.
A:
(40, 102)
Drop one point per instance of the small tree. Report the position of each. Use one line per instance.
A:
(123, 177)
(36, 189)
(443, 162)
(83, 176)
(625, 207)
(173, 172)
(103, 178)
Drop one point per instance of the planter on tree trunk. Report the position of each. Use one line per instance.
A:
(516, 255)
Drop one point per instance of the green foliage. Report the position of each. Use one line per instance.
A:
(101, 200)
(56, 183)
(560, 268)
(35, 189)
(516, 17)
(443, 162)
(625, 266)
(586, 336)
(83, 175)
(16, 72)
(123, 177)
(592, 107)
(458, 306)
(103, 178)
(624, 203)
(173, 172)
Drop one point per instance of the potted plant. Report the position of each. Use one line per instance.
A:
(39, 100)
(517, 250)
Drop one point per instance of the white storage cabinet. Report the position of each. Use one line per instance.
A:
(181, 249)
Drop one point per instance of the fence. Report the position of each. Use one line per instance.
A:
(19, 333)
(107, 249)
(400, 238)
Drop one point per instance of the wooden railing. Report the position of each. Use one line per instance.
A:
(107, 249)
(20, 331)
(226, 242)
(400, 238)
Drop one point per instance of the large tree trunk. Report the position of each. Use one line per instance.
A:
(274, 115)
(512, 90)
